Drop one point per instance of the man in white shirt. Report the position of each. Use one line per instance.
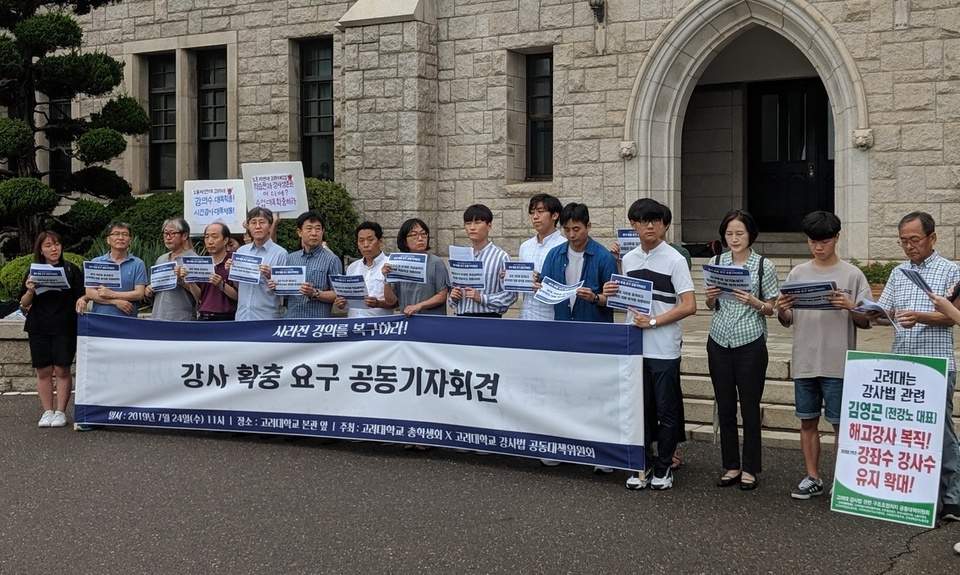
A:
(544, 211)
(370, 266)
(673, 300)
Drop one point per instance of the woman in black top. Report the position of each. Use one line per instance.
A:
(52, 329)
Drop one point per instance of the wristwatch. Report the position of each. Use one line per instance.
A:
(653, 322)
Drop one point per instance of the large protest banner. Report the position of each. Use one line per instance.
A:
(891, 437)
(519, 388)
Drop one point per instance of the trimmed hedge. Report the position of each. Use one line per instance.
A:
(146, 216)
(332, 200)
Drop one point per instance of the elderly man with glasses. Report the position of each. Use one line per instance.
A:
(133, 277)
(177, 304)
(927, 331)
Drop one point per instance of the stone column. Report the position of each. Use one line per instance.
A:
(389, 158)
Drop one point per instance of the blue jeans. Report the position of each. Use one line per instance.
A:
(812, 393)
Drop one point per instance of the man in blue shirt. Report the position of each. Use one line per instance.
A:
(317, 295)
(580, 258)
(133, 277)
(257, 301)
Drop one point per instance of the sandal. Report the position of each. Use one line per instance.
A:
(726, 480)
(749, 483)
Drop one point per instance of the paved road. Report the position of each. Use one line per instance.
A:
(139, 501)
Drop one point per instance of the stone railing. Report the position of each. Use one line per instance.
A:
(16, 373)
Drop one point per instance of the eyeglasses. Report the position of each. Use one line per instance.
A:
(913, 242)
(119, 235)
(418, 235)
(167, 234)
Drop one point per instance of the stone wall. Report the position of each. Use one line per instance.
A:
(399, 155)
(16, 372)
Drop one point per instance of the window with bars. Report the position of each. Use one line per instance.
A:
(540, 116)
(212, 114)
(316, 107)
(59, 157)
(163, 121)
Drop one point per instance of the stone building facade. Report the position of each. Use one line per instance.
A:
(778, 106)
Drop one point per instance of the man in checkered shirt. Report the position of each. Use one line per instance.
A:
(927, 331)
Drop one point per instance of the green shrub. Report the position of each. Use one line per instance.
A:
(24, 197)
(100, 182)
(332, 200)
(13, 273)
(124, 114)
(67, 75)
(47, 32)
(100, 145)
(11, 60)
(16, 137)
(876, 272)
(146, 216)
(121, 204)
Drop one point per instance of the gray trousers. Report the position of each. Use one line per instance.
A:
(950, 464)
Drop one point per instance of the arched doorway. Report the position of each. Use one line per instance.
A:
(670, 73)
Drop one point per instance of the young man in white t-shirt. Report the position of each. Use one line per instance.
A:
(544, 211)
(673, 300)
(821, 339)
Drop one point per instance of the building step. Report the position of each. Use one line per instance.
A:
(777, 438)
(693, 364)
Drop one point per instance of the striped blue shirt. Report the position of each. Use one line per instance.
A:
(492, 297)
(320, 264)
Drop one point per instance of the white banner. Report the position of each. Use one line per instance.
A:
(891, 437)
(208, 201)
(278, 186)
(512, 387)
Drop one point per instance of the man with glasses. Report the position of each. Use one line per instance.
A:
(177, 304)
(133, 277)
(927, 331)
(257, 301)
(544, 211)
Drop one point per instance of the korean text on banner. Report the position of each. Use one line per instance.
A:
(407, 267)
(553, 292)
(633, 293)
(891, 437)
(466, 274)
(810, 295)
(628, 238)
(288, 279)
(106, 274)
(451, 382)
(48, 278)
(245, 268)
(208, 201)
(727, 278)
(199, 268)
(277, 186)
(518, 276)
(163, 277)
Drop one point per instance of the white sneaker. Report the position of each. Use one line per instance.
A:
(639, 480)
(549, 462)
(602, 470)
(45, 419)
(59, 419)
(660, 483)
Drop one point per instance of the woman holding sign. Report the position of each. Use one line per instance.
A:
(51, 327)
(737, 347)
(413, 298)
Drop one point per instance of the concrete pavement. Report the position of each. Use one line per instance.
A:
(129, 501)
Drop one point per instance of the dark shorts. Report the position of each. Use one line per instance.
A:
(47, 350)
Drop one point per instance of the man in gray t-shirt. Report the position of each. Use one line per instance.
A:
(821, 339)
(176, 304)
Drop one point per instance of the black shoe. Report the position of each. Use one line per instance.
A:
(950, 512)
(728, 480)
(748, 484)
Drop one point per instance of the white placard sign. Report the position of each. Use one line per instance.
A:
(288, 279)
(199, 268)
(891, 437)
(245, 268)
(633, 293)
(518, 276)
(727, 278)
(553, 292)
(106, 274)
(208, 201)
(277, 186)
(163, 277)
(48, 278)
